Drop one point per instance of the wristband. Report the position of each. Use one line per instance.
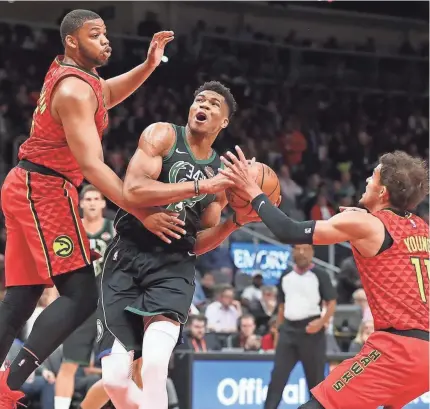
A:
(196, 187)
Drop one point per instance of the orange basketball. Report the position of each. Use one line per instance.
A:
(269, 184)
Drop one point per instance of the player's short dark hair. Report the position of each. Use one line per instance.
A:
(220, 89)
(89, 188)
(74, 20)
(406, 179)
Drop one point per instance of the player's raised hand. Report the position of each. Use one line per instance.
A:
(240, 170)
(163, 223)
(156, 48)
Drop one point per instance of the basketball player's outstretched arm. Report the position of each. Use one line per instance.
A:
(347, 226)
(74, 104)
(118, 88)
(141, 187)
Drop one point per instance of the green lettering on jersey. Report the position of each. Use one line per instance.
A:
(182, 171)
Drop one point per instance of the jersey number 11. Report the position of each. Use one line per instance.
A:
(417, 263)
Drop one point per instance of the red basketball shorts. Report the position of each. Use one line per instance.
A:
(44, 233)
(390, 370)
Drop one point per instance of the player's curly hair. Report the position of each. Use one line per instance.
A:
(406, 179)
(74, 20)
(220, 89)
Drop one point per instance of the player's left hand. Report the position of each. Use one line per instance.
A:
(156, 48)
(314, 326)
(48, 376)
(241, 172)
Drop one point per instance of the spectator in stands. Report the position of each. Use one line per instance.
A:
(264, 308)
(322, 210)
(219, 263)
(246, 337)
(222, 314)
(252, 293)
(301, 292)
(359, 297)
(208, 283)
(365, 330)
(348, 281)
(290, 190)
(270, 340)
(195, 337)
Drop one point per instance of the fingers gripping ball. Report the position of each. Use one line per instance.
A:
(269, 184)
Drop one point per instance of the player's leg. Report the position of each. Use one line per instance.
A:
(96, 397)
(23, 283)
(164, 305)
(376, 375)
(119, 333)
(60, 250)
(414, 362)
(77, 350)
(160, 338)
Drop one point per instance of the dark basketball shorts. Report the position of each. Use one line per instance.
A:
(45, 235)
(79, 346)
(136, 284)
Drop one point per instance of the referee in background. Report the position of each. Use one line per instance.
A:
(301, 292)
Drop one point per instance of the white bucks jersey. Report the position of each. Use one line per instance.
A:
(179, 165)
(99, 242)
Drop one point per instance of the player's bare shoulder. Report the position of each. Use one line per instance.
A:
(72, 92)
(158, 139)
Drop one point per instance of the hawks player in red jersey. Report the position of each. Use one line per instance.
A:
(391, 248)
(46, 243)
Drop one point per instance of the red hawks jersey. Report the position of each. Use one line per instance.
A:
(47, 144)
(396, 281)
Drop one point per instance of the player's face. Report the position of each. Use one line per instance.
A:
(208, 114)
(92, 42)
(374, 192)
(92, 205)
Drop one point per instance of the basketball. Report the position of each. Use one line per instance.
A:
(269, 184)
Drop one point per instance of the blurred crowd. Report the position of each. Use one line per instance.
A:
(320, 121)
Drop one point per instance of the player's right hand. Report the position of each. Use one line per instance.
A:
(164, 224)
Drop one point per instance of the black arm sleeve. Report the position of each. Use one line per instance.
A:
(285, 229)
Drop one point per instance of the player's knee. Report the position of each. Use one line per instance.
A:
(312, 404)
(155, 364)
(80, 287)
(116, 369)
(68, 369)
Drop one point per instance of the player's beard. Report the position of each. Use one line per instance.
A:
(96, 62)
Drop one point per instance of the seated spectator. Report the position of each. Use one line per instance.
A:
(365, 330)
(348, 281)
(264, 308)
(208, 283)
(359, 297)
(222, 315)
(246, 338)
(252, 293)
(40, 386)
(322, 209)
(219, 263)
(196, 339)
(270, 340)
